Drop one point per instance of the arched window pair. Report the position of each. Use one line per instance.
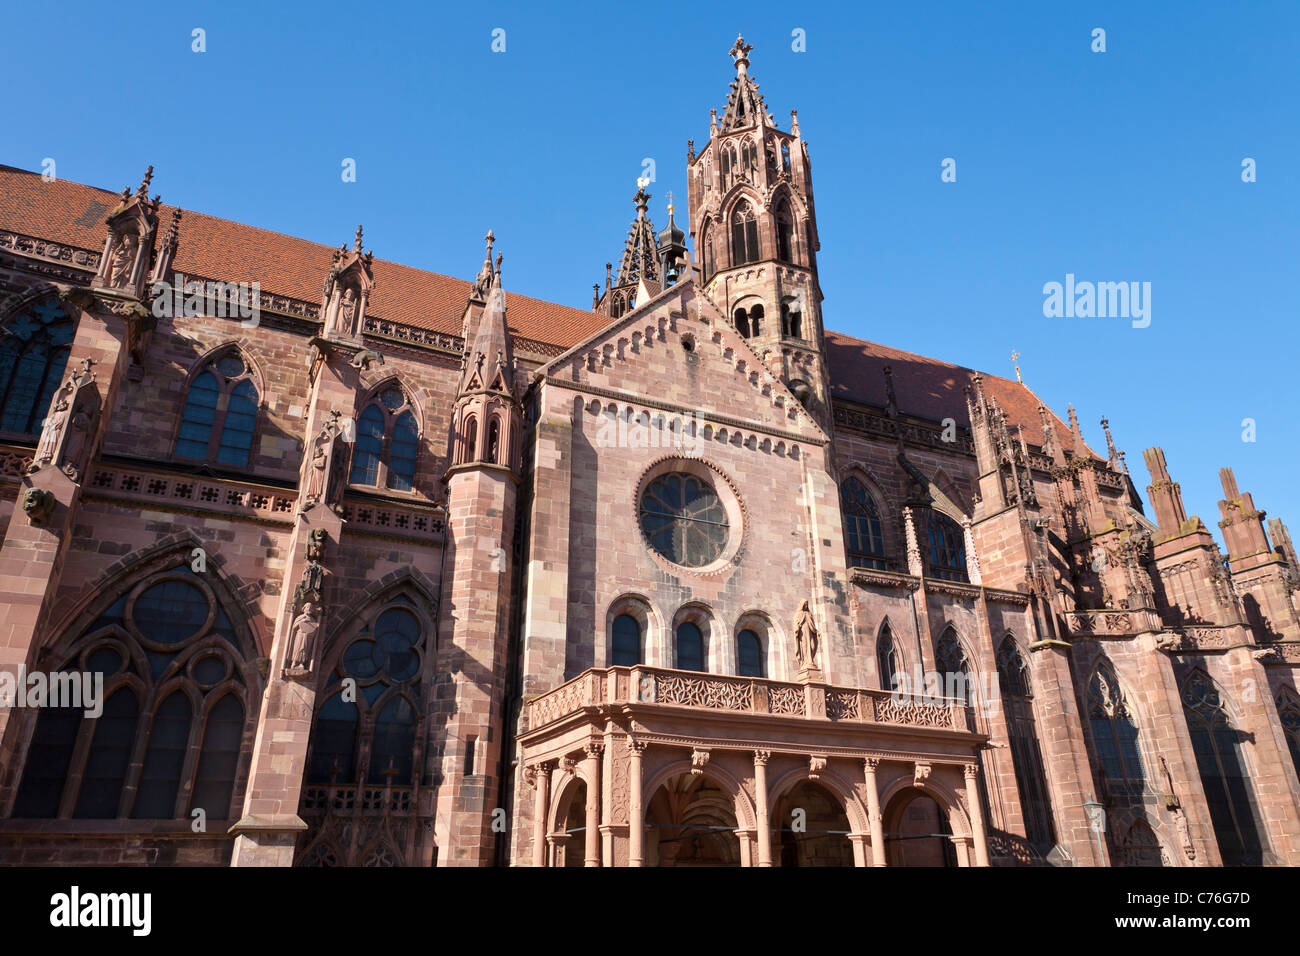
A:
(168, 740)
(864, 542)
(947, 548)
(220, 412)
(688, 647)
(1114, 733)
(749, 323)
(34, 348)
(387, 443)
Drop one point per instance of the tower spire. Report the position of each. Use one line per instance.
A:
(745, 106)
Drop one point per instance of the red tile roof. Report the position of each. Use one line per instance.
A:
(73, 214)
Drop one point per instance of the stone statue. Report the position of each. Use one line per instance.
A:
(37, 504)
(322, 480)
(805, 637)
(302, 641)
(347, 311)
(121, 262)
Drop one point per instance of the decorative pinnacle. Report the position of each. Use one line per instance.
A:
(144, 183)
(357, 244)
(740, 53)
(642, 201)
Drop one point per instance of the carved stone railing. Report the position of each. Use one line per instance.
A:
(14, 461)
(403, 520)
(192, 492)
(746, 695)
(1108, 623)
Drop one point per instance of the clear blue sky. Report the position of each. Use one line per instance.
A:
(1124, 165)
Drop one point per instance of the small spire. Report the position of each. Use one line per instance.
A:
(1014, 356)
(794, 123)
(144, 183)
(173, 229)
(1111, 452)
(690, 150)
(357, 243)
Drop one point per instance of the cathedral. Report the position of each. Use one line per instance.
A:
(364, 565)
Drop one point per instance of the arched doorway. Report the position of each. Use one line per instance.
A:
(810, 828)
(574, 842)
(917, 832)
(691, 821)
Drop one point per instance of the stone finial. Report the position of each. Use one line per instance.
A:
(740, 53)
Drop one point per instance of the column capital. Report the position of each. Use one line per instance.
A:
(593, 750)
(761, 757)
(871, 764)
(637, 746)
(970, 770)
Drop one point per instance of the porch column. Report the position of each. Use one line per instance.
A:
(962, 845)
(875, 819)
(541, 803)
(859, 848)
(635, 812)
(760, 799)
(591, 763)
(976, 814)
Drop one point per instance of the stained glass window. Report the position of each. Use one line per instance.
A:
(220, 413)
(947, 548)
(626, 642)
(387, 443)
(1222, 765)
(1026, 756)
(749, 654)
(34, 350)
(690, 647)
(684, 519)
(1114, 731)
(864, 543)
(744, 235)
(84, 763)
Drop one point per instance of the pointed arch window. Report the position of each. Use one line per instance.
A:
(784, 231)
(785, 157)
(864, 542)
(744, 235)
(387, 443)
(749, 654)
(34, 347)
(954, 667)
(165, 648)
(220, 413)
(710, 256)
(690, 647)
(1114, 733)
(1288, 710)
(363, 760)
(1222, 765)
(1026, 756)
(887, 658)
(947, 548)
(494, 441)
(729, 165)
(749, 161)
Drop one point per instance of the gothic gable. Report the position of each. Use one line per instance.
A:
(678, 351)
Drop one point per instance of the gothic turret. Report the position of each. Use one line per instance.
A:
(755, 235)
(639, 271)
(487, 421)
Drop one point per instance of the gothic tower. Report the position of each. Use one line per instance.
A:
(755, 234)
(482, 488)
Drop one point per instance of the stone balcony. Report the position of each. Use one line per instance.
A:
(622, 754)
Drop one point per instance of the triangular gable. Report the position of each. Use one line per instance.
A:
(678, 350)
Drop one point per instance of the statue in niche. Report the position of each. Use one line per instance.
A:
(324, 468)
(347, 311)
(121, 261)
